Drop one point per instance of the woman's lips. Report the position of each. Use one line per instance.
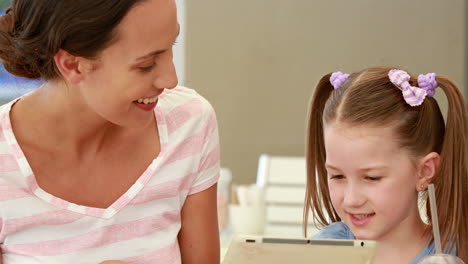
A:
(146, 107)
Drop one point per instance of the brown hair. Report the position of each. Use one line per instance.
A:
(368, 97)
(33, 31)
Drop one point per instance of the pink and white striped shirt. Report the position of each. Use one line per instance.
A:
(141, 226)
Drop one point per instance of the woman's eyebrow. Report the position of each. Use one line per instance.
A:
(153, 53)
(156, 52)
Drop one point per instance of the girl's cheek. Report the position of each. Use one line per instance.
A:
(335, 194)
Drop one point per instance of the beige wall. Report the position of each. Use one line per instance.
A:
(257, 61)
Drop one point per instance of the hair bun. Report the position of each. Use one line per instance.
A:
(12, 59)
(7, 22)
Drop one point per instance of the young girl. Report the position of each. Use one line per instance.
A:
(376, 139)
(109, 159)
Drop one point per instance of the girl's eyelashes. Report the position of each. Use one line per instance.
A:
(373, 178)
(369, 178)
(336, 177)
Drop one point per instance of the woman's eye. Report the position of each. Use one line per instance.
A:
(147, 68)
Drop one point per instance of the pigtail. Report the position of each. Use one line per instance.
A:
(317, 195)
(451, 182)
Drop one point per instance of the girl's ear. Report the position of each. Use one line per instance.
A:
(71, 67)
(427, 169)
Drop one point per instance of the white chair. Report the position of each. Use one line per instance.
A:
(283, 179)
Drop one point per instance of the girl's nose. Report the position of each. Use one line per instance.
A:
(353, 196)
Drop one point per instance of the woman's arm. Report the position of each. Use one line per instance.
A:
(199, 235)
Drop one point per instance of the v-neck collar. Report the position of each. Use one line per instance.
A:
(105, 213)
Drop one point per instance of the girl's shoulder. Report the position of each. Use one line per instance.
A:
(337, 230)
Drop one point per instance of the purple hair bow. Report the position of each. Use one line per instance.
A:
(337, 79)
(428, 82)
(413, 96)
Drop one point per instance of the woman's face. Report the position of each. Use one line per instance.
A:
(124, 82)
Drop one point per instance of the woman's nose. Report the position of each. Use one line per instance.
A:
(166, 77)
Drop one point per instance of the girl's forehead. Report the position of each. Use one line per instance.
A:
(360, 143)
(363, 130)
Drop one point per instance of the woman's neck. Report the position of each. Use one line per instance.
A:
(63, 121)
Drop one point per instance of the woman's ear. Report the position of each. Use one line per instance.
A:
(71, 67)
(427, 169)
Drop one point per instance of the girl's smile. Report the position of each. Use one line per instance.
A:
(361, 220)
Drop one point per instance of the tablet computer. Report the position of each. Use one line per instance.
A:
(270, 250)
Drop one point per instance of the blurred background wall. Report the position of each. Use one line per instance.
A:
(257, 61)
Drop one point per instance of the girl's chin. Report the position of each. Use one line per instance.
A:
(364, 238)
(363, 235)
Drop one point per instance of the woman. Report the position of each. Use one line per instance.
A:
(108, 159)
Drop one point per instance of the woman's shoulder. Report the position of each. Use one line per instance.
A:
(186, 111)
(5, 114)
(181, 95)
(185, 103)
(337, 230)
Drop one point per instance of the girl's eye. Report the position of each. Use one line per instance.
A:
(336, 177)
(373, 178)
(147, 68)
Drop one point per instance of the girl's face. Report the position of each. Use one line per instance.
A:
(372, 181)
(136, 68)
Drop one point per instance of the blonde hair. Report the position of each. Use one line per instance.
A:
(368, 97)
